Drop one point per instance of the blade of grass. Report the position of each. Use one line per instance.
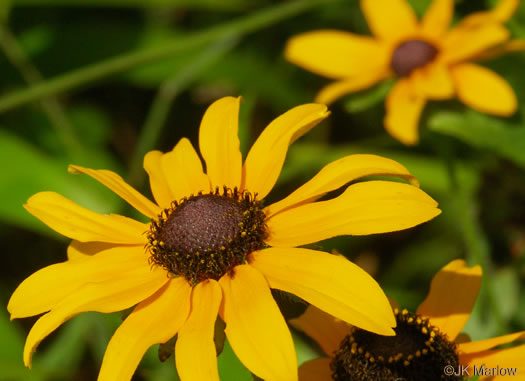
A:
(164, 99)
(220, 5)
(88, 75)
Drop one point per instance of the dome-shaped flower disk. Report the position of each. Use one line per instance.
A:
(429, 60)
(436, 324)
(212, 249)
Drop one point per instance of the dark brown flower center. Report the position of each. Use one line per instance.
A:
(411, 55)
(419, 351)
(207, 235)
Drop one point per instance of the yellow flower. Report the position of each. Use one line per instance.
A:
(211, 248)
(428, 341)
(429, 61)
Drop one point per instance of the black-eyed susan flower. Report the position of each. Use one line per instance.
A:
(429, 60)
(427, 346)
(212, 249)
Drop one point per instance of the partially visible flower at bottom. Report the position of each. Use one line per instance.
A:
(211, 249)
(428, 344)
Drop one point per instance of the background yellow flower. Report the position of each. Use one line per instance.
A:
(429, 60)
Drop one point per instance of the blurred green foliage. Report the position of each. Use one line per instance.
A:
(99, 83)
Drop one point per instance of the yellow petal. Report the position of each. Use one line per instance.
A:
(501, 49)
(464, 43)
(47, 287)
(336, 54)
(514, 46)
(389, 19)
(500, 14)
(365, 208)
(316, 370)
(266, 157)
(195, 351)
(326, 330)
(437, 18)
(76, 222)
(452, 295)
(336, 90)
(338, 173)
(433, 82)
(484, 90)
(182, 169)
(119, 186)
(403, 109)
(483, 345)
(157, 180)
(219, 143)
(255, 326)
(126, 287)
(329, 282)
(504, 10)
(498, 359)
(155, 320)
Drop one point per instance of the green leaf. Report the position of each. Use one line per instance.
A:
(36, 40)
(26, 171)
(520, 312)
(230, 368)
(506, 288)
(165, 371)
(368, 98)
(91, 124)
(64, 354)
(102, 328)
(11, 347)
(303, 348)
(411, 265)
(481, 323)
(90, 128)
(482, 131)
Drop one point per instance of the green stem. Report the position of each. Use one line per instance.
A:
(50, 105)
(164, 99)
(86, 76)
